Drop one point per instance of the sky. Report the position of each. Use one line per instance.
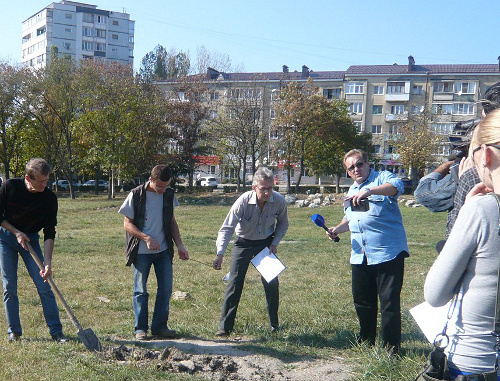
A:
(324, 35)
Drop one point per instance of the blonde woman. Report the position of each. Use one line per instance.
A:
(471, 256)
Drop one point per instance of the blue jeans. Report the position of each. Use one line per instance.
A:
(162, 263)
(455, 373)
(9, 250)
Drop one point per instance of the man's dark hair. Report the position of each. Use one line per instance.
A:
(161, 172)
(37, 165)
(491, 100)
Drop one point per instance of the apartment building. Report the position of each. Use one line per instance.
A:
(380, 97)
(79, 30)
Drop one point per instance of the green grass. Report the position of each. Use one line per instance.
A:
(316, 308)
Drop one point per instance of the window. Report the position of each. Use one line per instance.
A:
(332, 93)
(417, 90)
(465, 88)
(214, 95)
(376, 129)
(442, 109)
(464, 109)
(181, 96)
(273, 134)
(26, 38)
(115, 22)
(355, 88)
(376, 148)
(378, 90)
(88, 17)
(114, 36)
(416, 110)
(393, 130)
(443, 87)
(100, 19)
(377, 109)
(100, 33)
(68, 16)
(130, 38)
(395, 87)
(87, 45)
(213, 114)
(272, 113)
(442, 128)
(397, 109)
(356, 108)
(67, 30)
(100, 47)
(40, 31)
(358, 126)
(67, 45)
(86, 31)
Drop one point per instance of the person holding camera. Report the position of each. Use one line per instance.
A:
(379, 247)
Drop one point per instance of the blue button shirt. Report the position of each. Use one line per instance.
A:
(378, 233)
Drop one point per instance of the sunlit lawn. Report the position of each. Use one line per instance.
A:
(316, 308)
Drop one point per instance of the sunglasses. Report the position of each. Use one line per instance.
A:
(359, 164)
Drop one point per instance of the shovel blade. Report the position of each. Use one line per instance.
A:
(90, 340)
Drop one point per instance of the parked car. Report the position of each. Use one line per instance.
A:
(63, 185)
(408, 184)
(208, 181)
(90, 185)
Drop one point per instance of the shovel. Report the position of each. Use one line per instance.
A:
(87, 336)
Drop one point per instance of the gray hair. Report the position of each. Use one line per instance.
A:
(263, 173)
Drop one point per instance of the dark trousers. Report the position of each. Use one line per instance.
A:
(243, 252)
(384, 280)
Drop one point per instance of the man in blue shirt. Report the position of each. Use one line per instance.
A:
(379, 247)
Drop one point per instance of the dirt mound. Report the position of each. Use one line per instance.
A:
(216, 360)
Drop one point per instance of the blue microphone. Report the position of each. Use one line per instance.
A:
(319, 220)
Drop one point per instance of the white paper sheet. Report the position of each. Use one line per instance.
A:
(268, 265)
(431, 320)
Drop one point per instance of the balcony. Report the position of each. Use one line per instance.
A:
(396, 117)
(442, 97)
(401, 97)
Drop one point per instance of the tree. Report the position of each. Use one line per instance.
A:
(239, 132)
(332, 135)
(219, 61)
(415, 143)
(54, 107)
(161, 64)
(14, 116)
(186, 116)
(121, 122)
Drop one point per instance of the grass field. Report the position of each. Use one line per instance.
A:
(316, 308)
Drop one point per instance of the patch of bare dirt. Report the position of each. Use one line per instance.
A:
(221, 360)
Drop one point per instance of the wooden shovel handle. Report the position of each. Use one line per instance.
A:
(54, 287)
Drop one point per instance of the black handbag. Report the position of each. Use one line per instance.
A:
(436, 367)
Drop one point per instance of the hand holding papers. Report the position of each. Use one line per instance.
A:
(268, 265)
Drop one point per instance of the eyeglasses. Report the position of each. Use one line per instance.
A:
(270, 189)
(479, 147)
(359, 164)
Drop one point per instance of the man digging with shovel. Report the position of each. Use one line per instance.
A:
(26, 207)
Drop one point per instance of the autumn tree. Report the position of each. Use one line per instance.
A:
(415, 143)
(53, 106)
(186, 116)
(239, 132)
(14, 115)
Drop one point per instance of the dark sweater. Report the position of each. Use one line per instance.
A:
(28, 211)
